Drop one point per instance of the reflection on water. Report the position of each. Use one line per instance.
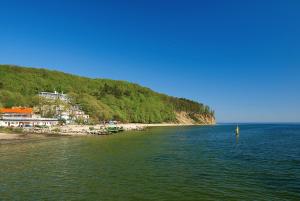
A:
(237, 138)
(191, 163)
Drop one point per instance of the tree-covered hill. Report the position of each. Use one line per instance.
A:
(102, 99)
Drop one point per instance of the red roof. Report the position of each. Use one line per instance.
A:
(23, 110)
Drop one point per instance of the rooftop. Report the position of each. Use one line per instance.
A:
(22, 110)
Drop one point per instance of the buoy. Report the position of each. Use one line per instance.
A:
(237, 130)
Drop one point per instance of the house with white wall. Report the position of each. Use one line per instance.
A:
(23, 117)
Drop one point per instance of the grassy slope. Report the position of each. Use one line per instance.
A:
(102, 99)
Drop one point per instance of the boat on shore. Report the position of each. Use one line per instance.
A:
(114, 128)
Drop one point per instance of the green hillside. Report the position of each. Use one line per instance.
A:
(102, 99)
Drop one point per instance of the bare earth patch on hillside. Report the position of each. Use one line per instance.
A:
(183, 118)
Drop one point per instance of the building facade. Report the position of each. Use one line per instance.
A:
(23, 117)
(54, 96)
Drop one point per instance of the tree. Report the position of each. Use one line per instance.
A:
(102, 99)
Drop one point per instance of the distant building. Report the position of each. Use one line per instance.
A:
(67, 112)
(22, 117)
(55, 96)
(79, 114)
(73, 114)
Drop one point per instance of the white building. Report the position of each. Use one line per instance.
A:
(24, 122)
(22, 117)
(78, 114)
(72, 115)
(55, 96)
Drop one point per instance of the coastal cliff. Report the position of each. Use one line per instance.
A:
(101, 99)
(195, 119)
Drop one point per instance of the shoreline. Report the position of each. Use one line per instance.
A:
(79, 130)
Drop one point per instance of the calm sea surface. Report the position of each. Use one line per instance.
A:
(190, 163)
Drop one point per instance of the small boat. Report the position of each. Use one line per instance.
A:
(113, 128)
(237, 130)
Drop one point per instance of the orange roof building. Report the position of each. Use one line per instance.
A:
(23, 117)
(17, 110)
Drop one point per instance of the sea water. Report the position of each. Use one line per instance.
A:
(178, 163)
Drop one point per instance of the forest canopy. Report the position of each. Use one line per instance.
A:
(102, 99)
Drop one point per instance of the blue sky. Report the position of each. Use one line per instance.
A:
(240, 57)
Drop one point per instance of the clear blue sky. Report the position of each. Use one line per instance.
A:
(240, 57)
